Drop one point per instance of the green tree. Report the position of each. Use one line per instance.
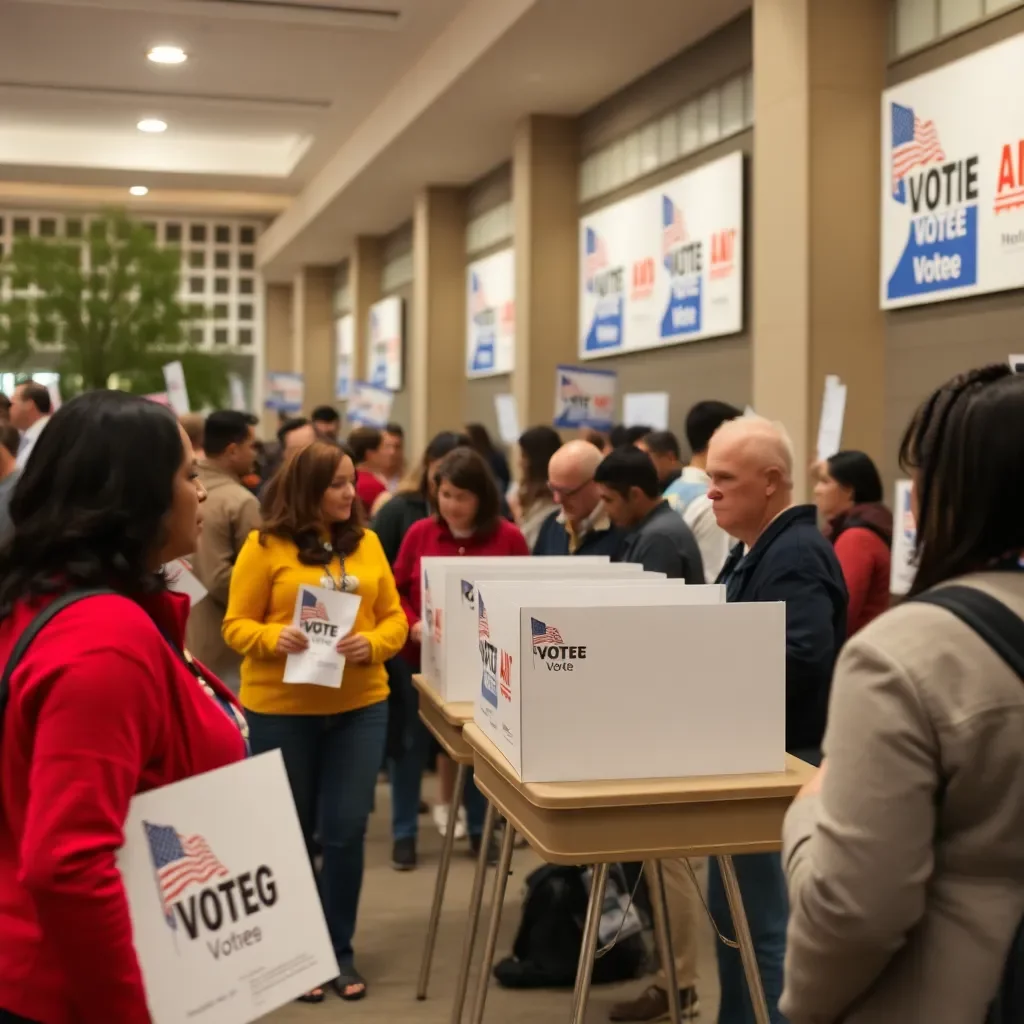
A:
(110, 300)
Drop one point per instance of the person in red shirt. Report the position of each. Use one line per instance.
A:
(468, 521)
(849, 497)
(366, 445)
(104, 704)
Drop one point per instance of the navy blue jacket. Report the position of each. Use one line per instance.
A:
(792, 562)
(553, 539)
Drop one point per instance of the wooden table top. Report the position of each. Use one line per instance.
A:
(456, 715)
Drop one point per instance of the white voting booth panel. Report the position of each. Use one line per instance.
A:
(630, 682)
(434, 591)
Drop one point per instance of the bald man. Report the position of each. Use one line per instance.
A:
(782, 556)
(580, 526)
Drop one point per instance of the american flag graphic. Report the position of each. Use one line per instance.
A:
(596, 255)
(312, 609)
(570, 389)
(544, 634)
(180, 861)
(484, 625)
(915, 143)
(477, 295)
(673, 227)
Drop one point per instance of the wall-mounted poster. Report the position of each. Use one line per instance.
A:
(344, 352)
(584, 398)
(384, 344)
(953, 180)
(664, 266)
(491, 315)
(286, 392)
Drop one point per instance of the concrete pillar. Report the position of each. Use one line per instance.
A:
(277, 341)
(545, 186)
(819, 70)
(436, 342)
(313, 333)
(364, 280)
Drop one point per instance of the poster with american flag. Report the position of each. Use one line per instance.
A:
(180, 862)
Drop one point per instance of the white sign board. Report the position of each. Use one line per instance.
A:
(177, 393)
(369, 405)
(491, 315)
(645, 409)
(508, 418)
(558, 653)
(286, 392)
(904, 541)
(224, 907)
(664, 266)
(384, 342)
(584, 398)
(830, 424)
(344, 355)
(953, 180)
(236, 389)
(182, 580)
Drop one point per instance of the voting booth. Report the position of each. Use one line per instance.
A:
(637, 680)
(450, 658)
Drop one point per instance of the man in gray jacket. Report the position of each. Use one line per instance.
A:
(656, 536)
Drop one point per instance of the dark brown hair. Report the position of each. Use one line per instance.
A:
(466, 469)
(362, 441)
(291, 504)
(965, 447)
(536, 445)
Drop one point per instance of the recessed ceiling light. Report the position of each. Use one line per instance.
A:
(139, 190)
(167, 55)
(152, 125)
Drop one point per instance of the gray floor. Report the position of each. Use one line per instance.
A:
(389, 943)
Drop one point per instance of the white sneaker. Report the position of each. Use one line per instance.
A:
(440, 815)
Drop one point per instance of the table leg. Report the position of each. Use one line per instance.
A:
(746, 943)
(475, 900)
(663, 932)
(500, 885)
(442, 880)
(588, 946)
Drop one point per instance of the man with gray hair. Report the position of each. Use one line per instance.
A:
(782, 556)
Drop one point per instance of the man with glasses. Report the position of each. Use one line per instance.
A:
(580, 526)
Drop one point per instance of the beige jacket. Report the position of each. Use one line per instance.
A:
(230, 514)
(906, 874)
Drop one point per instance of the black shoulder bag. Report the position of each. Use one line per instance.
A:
(1003, 631)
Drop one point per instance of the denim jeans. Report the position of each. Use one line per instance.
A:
(763, 887)
(332, 763)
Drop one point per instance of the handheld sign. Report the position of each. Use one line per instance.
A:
(324, 616)
(182, 580)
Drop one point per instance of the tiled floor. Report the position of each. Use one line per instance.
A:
(393, 922)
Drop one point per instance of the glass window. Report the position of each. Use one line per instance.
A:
(732, 106)
(172, 233)
(22, 226)
(247, 236)
(222, 234)
(222, 260)
(668, 138)
(710, 125)
(196, 285)
(245, 311)
(220, 336)
(46, 332)
(244, 335)
(72, 228)
(222, 285)
(196, 310)
(246, 261)
(197, 335)
(47, 227)
(197, 233)
(220, 311)
(631, 157)
(246, 286)
(149, 228)
(649, 148)
(1, 225)
(689, 128)
(197, 259)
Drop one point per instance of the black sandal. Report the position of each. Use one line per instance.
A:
(315, 995)
(348, 978)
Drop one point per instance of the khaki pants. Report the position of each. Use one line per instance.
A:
(684, 914)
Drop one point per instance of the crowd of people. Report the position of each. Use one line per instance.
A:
(900, 887)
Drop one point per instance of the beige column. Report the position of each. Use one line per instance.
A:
(545, 177)
(819, 70)
(435, 359)
(313, 333)
(277, 342)
(364, 281)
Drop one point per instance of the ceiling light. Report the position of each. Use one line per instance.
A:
(167, 55)
(152, 125)
(139, 190)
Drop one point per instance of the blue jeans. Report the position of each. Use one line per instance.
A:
(763, 887)
(332, 763)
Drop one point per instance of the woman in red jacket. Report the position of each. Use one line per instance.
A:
(103, 705)
(849, 496)
(468, 522)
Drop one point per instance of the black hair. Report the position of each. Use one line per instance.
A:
(480, 439)
(619, 436)
(704, 419)
(856, 471)
(362, 441)
(289, 425)
(440, 446)
(224, 428)
(325, 414)
(467, 469)
(626, 468)
(38, 395)
(10, 438)
(90, 506)
(395, 429)
(965, 448)
(662, 442)
(538, 444)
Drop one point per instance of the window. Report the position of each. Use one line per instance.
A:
(1, 225)
(47, 227)
(246, 260)
(197, 335)
(222, 260)
(197, 234)
(22, 226)
(196, 310)
(196, 285)
(245, 311)
(72, 228)
(244, 335)
(220, 336)
(246, 286)
(222, 234)
(149, 228)
(247, 236)
(220, 311)
(222, 285)
(197, 259)
(46, 332)
(172, 234)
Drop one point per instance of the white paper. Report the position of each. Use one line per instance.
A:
(182, 580)
(237, 391)
(646, 409)
(833, 410)
(508, 418)
(325, 616)
(748, 413)
(1017, 364)
(225, 915)
(177, 393)
(904, 541)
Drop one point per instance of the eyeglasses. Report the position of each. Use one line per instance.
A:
(568, 492)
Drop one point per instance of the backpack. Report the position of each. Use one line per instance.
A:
(546, 950)
(1003, 631)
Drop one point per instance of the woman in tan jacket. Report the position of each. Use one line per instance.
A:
(905, 855)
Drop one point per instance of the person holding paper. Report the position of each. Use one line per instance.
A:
(103, 705)
(849, 497)
(311, 549)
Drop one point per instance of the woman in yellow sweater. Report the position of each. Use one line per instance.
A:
(331, 737)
